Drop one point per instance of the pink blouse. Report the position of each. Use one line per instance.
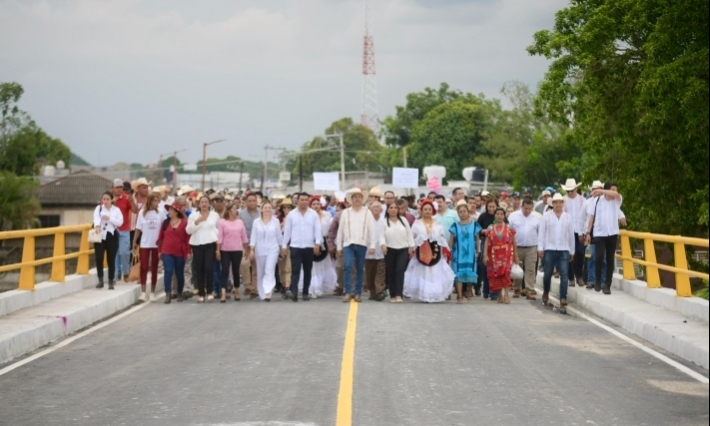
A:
(232, 235)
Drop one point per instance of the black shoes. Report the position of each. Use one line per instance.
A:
(100, 284)
(590, 286)
(110, 285)
(606, 290)
(294, 297)
(597, 287)
(306, 298)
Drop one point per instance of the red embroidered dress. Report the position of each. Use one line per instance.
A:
(500, 256)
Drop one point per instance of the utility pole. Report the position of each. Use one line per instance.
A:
(300, 172)
(342, 161)
(175, 168)
(204, 159)
(241, 173)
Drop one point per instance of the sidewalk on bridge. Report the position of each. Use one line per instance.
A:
(677, 325)
(30, 320)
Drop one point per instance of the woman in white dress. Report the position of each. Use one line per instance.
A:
(266, 238)
(428, 277)
(323, 278)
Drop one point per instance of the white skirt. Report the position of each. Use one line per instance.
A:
(323, 278)
(428, 283)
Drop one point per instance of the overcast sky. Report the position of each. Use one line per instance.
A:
(128, 80)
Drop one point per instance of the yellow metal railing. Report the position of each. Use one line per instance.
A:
(680, 268)
(58, 258)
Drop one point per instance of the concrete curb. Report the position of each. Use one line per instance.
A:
(29, 328)
(670, 330)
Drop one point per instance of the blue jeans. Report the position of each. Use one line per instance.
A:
(173, 265)
(123, 266)
(354, 254)
(591, 274)
(217, 280)
(560, 260)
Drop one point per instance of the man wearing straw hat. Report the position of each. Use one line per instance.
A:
(356, 239)
(573, 206)
(556, 247)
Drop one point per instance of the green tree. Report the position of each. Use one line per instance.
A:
(362, 151)
(631, 79)
(18, 206)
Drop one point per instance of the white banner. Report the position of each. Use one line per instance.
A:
(405, 178)
(284, 176)
(326, 181)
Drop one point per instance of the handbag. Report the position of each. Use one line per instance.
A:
(134, 274)
(516, 272)
(94, 237)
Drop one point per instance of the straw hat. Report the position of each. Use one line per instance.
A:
(461, 203)
(375, 192)
(571, 185)
(286, 202)
(185, 189)
(140, 182)
(597, 184)
(349, 195)
(556, 197)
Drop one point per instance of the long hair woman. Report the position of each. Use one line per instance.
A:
(150, 218)
(265, 243)
(202, 227)
(499, 254)
(485, 220)
(231, 239)
(107, 219)
(428, 276)
(398, 246)
(464, 247)
(174, 248)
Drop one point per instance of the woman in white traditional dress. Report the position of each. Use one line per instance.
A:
(323, 278)
(429, 278)
(265, 243)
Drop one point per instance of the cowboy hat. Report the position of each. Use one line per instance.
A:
(571, 185)
(375, 192)
(485, 193)
(286, 202)
(350, 193)
(556, 197)
(597, 184)
(140, 182)
(185, 189)
(461, 203)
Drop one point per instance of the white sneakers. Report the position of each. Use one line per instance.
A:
(210, 298)
(152, 297)
(142, 298)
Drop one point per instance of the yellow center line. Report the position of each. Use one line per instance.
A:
(344, 415)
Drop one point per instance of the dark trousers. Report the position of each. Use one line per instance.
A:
(396, 261)
(233, 258)
(604, 250)
(108, 247)
(174, 265)
(203, 257)
(301, 257)
(576, 269)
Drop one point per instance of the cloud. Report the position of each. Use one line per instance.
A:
(148, 77)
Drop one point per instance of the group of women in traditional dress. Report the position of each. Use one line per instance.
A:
(423, 260)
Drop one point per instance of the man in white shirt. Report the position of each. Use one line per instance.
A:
(582, 223)
(375, 262)
(573, 206)
(303, 233)
(356, 239)
(527, 227)
(603, 231)
(555, 247)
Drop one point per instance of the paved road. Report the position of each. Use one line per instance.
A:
(252, 363)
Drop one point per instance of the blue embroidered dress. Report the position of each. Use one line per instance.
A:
(464, 261)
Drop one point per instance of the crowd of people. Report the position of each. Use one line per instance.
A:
(428, 249)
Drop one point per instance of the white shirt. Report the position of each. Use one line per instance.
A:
(379, 228)
(526, 228)
(204, 233)
(556, 234)
(266, 237)
(302, 230)
(606, 221)
(397, 234)
(574, 207)
(149, 225)
(112, 224)
(583, 219)
(356, 227)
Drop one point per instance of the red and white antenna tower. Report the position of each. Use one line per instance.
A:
(370, 114)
